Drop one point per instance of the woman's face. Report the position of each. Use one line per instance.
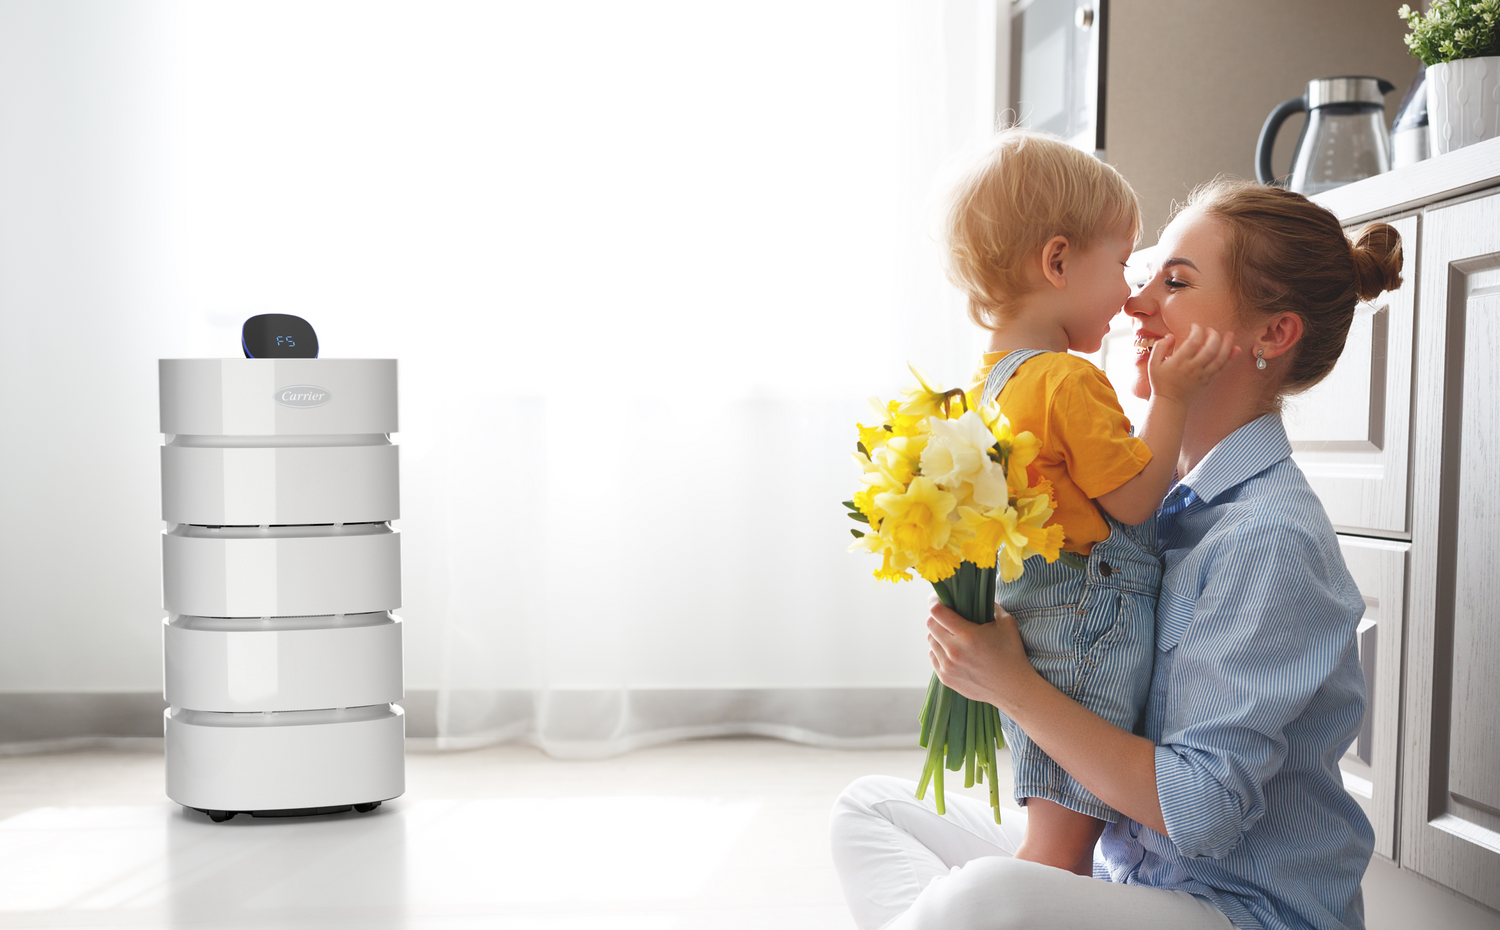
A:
(1189, 284)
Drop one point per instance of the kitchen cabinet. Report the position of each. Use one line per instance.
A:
(1450, 799)
(1379, 567)
(1425, 562)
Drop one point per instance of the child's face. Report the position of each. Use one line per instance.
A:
(1096, 291)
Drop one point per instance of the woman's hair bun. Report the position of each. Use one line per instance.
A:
(1377, 260)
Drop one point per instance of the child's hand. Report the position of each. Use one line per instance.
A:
(1180, 372)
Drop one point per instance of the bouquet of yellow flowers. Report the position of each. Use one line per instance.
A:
(946, 493)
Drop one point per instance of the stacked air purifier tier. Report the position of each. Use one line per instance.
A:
(279, 572)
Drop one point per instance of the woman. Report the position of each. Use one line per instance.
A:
(1234, 811)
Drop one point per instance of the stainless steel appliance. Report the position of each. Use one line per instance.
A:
(1058, 66)
(1343, 139)
(1409, 142)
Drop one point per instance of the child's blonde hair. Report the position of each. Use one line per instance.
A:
(1024, 189)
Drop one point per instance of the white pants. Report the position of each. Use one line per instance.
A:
(905, 867)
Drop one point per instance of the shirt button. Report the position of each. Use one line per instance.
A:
(1105, 569)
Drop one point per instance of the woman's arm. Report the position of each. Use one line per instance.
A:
(987, 662)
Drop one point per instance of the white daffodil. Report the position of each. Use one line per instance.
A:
(958, 455)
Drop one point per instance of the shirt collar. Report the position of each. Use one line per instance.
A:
(1241, 455)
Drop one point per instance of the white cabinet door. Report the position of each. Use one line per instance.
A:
(1370, 766)
(1350, 432)
(1450, 798)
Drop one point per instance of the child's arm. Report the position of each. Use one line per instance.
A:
(1176, 378)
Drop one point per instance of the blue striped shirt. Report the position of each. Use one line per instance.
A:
(1256, 694)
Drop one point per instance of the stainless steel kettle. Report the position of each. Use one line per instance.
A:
(1344, 138)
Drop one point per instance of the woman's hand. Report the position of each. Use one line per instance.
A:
(982, 661)
(987, 662)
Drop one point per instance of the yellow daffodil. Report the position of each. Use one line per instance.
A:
(1017, 450)
(1034, 509)
(987, 531)
(893, 564)
(938, 564)
(1023, 451)
(1011, 562)
(927, 399)
(1027, 537)
(1042, 489)
(1031, 514)
(872, 437)
(901, 456)
(916, 519)
(876, 480)
(900, 423)
(889, 570)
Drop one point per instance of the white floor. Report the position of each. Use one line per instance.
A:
(721, 834)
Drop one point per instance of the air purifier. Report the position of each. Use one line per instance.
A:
(280, 570)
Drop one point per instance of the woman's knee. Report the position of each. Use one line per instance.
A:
(868, 790)
(995, 893)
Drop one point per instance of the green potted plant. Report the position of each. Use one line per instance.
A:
(1459, 41)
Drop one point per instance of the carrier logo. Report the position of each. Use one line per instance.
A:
(302, 395)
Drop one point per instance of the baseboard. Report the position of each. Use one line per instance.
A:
(836, 717)
(31, 717)
(75, 743)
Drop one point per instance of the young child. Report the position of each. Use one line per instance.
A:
(1038, 234)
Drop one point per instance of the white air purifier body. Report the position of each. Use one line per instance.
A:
(282, 660)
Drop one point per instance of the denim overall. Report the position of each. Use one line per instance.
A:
(1091, 633)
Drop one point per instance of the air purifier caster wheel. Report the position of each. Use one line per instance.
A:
(366, 808)
(220, 816)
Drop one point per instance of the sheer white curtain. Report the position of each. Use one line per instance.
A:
(641, 264)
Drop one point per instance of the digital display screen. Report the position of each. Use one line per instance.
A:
(278, 335)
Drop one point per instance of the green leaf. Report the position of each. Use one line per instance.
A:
(857, 533)
(860, 517)
(1073, 560)
(1453, 30)
(850, 505)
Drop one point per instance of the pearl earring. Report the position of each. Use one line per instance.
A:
(1260, 361)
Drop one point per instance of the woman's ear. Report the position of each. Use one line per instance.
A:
(1278, 336)
(1055, 256)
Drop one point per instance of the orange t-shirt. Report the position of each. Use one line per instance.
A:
(1087, 450)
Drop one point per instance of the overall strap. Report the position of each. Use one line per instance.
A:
(1003, 370)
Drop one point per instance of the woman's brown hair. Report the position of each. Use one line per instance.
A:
(1287, 254)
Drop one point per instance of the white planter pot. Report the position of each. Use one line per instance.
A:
(1463, 102)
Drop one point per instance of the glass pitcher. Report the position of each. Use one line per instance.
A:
(1344, 138)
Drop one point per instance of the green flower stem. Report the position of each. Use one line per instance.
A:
(992, 740)
(969, 746)
(932, 770)
(960, 734)
(929, 707)
(956, 718)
